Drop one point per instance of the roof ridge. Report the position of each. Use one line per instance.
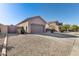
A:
(30, 19)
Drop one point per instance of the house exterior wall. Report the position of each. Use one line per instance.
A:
(19, 29)
(38, 21)
(4, 29)
(46, 26)
(26, 26)
(12, 29)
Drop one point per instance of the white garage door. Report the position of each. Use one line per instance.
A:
(37, 28)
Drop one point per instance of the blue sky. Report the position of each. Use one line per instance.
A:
(14, 13)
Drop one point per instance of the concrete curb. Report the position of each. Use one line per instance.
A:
(4, 48)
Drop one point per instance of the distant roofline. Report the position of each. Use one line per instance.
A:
(55, 22)
(52, 21)
(31, 18)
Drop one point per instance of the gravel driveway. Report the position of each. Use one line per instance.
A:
(35, 45)
(1, 42)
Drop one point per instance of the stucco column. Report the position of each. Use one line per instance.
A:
(28, 28)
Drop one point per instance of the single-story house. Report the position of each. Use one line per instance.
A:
(34, 24)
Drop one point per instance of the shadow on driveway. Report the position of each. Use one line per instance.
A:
(66, 49)
(59, 35)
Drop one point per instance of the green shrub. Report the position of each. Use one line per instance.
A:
(22, 30)
(62, 29)
(74, 28)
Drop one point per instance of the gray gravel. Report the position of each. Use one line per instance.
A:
(31, 45)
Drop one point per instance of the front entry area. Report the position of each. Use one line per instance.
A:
(35, 28)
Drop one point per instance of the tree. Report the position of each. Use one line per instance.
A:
(62, 29)
(74, 28)
(65, 27)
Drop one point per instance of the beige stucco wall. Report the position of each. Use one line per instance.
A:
(37, 21)
(4, 29)
(18, 29)
(46, 26)
(25, 24)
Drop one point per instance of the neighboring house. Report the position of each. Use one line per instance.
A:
(7, 29)
(55, 25)
(32, 25)
(12, 29)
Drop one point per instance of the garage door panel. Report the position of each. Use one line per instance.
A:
(37, 28)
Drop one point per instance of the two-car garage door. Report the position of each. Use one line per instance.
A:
(37, 28)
